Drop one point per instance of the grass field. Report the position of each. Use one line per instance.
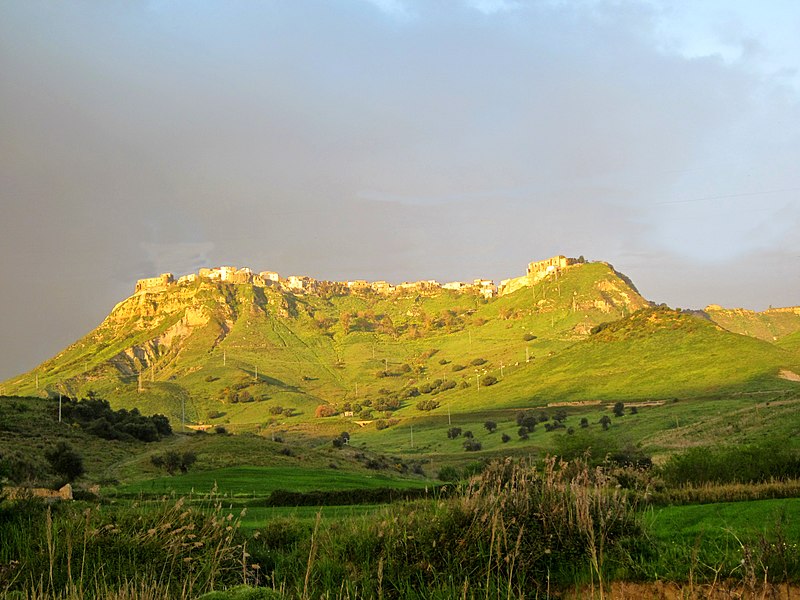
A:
(261, 481)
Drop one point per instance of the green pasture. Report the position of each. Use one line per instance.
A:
(244, 481)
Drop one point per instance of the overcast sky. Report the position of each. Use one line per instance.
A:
(392, 139)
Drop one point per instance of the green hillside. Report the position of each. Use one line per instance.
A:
(770, 325)
(263, 359)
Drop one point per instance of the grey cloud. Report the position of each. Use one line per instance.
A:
(335, 139)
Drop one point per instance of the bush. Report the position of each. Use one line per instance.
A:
(453, 433)
(505, 438)
(490, 426)
(619, 409)
(472, 445)
(527, 420)
(455, 368)
(427, 405)
(172, 461)
(325, 410)
(477, 362)
(448, 473)
(487, 380)
(743, 464)
(65, 461)
(528, 337)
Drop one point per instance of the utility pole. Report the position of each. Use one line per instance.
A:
(478, 381)
(412, 436)
(59, 407)
(502, 366)
(448, 414)
(224, 358)
(37, 381)
(527, 354)
(256, 377)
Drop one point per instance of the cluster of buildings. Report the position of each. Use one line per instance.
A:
(303, 284)
(537, 271)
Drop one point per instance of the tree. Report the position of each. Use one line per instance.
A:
(527, 420)
(619, 409)
(584, 422)
(453, 433)
(472, 445)
(505, 438)
(523, 433)
(605, 421)
(490, 426)
(172, 461)
(65, 461)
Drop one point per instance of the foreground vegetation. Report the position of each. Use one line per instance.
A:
(516, 530)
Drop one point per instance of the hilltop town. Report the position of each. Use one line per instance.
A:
(302, 284)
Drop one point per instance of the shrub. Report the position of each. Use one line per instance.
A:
(472, 445)
(490, 426)
(172, 461)
(505, 438)
(455, 368)
(619, 409)
(65, 461)
(526, 419)
(448, 473)
(427, 405)
(743, 464)
(477, 362)
(528, 337)
(453, 433)
(325, 410)
(605, 421)
(487, 380)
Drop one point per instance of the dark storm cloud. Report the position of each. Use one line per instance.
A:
(385, 139)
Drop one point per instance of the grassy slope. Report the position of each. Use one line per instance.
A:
(29, 426)
(770, 325)
(292, 351)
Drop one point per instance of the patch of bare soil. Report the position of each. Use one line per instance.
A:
(790, 375)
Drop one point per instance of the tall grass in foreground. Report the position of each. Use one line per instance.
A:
(517, 531)
(165, 550)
